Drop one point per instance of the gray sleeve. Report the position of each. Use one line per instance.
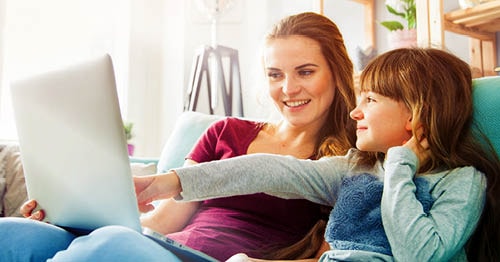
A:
(281, 176)
(440, 233)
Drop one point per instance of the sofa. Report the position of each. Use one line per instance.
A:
(12, 189)
(190, 125)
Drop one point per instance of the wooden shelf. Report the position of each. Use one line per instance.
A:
(481, 21)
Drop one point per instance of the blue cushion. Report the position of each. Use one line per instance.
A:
(486, 106)
(144, 160)
(189, 127)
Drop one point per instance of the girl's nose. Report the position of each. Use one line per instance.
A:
(356, 114)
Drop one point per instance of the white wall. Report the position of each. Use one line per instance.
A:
(38, 36)
(148, 72)
(2, 47)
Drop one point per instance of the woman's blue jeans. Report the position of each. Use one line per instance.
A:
(23, 239)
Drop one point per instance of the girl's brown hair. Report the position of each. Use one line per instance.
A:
(338, 133)
(437, 87)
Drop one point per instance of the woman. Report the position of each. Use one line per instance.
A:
(311, 83)
(302, 86)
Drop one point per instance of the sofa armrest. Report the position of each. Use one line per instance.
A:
(486, 94)
(144, 160)
(140, 166)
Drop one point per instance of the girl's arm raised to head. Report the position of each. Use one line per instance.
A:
(281, 176)
(432, 216)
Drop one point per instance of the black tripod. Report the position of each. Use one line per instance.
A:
(231, 93)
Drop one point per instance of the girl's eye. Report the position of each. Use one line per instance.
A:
(370, 99)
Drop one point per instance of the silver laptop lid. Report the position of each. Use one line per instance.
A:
(73, 146)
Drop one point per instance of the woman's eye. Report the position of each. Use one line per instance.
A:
(273, 75)
(305, 72)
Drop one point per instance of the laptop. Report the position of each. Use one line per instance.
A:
(74, 153)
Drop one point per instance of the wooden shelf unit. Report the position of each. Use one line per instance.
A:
(479, 23)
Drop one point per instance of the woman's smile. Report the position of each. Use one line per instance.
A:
(296, 103)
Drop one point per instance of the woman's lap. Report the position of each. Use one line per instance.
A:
(23, 239)
(114, 243)
(28, 240)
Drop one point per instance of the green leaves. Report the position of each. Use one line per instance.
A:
(127, 126)
(411, 16)
(405, 9)
(392, 25)
(394, 12)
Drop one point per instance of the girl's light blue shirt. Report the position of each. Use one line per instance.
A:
(415, 232)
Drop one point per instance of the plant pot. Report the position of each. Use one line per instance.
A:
(130, 148)
(402, 38)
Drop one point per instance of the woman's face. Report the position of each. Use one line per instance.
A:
(300, 82)
(382, 122)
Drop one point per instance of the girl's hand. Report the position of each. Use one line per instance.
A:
(154, 187)
(27, 210)
(420, 146)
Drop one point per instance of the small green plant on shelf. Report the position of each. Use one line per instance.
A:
(128, 130)
(127, 126)
(405, 9)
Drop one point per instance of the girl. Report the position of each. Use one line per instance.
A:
(419, 187)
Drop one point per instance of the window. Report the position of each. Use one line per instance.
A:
(37, 36)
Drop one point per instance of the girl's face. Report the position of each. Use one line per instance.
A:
(300, 82)
(381, 122)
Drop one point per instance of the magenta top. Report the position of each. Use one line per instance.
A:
(252, 224)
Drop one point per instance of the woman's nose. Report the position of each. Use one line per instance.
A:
(290, 86)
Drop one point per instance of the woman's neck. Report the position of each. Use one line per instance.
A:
(298, 135)
(284, 139)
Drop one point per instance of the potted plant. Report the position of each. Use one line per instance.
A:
(399, 36)
(127, 126)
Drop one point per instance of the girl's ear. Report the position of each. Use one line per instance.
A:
(409, 126)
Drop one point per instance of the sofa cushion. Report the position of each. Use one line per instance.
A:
(12, 189)
(142, 169)
(188, 128)
(486, 106)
